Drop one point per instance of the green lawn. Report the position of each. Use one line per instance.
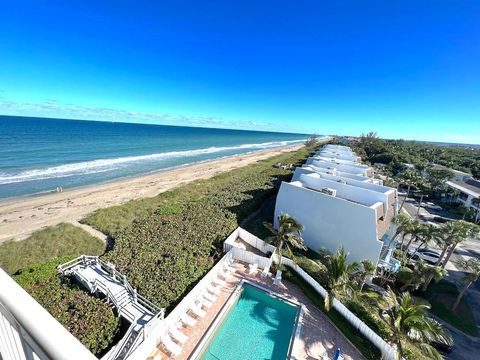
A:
(441, 297)
(60, 240)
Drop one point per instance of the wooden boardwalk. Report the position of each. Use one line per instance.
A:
(102, 279)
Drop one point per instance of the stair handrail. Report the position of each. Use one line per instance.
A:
(110, 269)
(141, 300)
(119, 347)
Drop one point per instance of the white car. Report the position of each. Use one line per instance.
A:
(427, 255)
(430, 205)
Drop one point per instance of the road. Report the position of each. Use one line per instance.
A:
(466, 347)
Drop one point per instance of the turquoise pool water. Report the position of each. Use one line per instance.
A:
(258, 327)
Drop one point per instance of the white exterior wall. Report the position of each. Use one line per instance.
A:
(352, 169)
(310, 169)
(344, 191)
(336, 160)
(338, 154)
(331, 222)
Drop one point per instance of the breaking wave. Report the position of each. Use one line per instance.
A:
(104, 165)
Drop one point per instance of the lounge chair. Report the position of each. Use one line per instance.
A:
(208, 296)
(197, 310)
(188, 320)
(177, 335)
(219, 282)
(265, 271)
(229, 264)
(278, 278)
(252, 268)
(213, 289)
(173, 348)
(224, 273)
(205, 303)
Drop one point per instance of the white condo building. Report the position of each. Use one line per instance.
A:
(340, 204)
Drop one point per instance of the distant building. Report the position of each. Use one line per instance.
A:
(340, 204)
(458, 175)
(468, 191)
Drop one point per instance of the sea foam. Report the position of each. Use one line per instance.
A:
(105, 165)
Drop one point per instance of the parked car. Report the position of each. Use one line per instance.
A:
(428, 255)
(431, 205)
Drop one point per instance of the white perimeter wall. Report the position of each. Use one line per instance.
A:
(331, 222)
(340, 167)
(310, 169)
(344, 191)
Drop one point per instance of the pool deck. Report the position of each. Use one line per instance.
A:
(318, 334)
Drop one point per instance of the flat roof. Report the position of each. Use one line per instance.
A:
(437, 166)
(467, 188)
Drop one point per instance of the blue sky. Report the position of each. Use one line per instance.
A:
(406, 69)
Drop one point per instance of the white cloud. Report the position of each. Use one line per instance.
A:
(54, 108)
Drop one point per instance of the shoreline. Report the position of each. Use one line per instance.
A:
(21, 216)
(12, 199)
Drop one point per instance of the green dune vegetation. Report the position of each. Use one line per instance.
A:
(88, 318)
(163, 244)
(47, 244)
(33, 262)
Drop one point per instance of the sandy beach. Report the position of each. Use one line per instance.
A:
(20, 217)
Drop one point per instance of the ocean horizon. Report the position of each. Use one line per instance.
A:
(37, 155)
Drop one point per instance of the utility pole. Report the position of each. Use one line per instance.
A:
(419, 205)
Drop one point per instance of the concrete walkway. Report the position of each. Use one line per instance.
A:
(91, 231)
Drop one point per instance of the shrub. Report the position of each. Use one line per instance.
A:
(86, 317)
(173, 239)
(368, 317)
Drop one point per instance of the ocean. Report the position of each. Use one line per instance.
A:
(37, 155)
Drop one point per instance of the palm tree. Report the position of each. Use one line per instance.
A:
(403, 222)
(287, 235)
(407, 320)
(415, 231)
(340, 275)
(473, 266)
(409, 178)
(428, 232)
(455, 232)
(422, 274)
(432, 272)
(368, 269)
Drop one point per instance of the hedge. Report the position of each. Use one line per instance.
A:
(89, 319)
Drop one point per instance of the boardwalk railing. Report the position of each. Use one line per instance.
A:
(137, 332)
(86, 260)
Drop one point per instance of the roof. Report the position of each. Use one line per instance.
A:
(457, 172)
(470, 187)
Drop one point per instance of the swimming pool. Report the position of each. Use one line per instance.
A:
(256, 325)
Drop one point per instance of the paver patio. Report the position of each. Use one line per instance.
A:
(318, 337)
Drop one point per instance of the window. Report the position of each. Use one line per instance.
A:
(463, 196)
